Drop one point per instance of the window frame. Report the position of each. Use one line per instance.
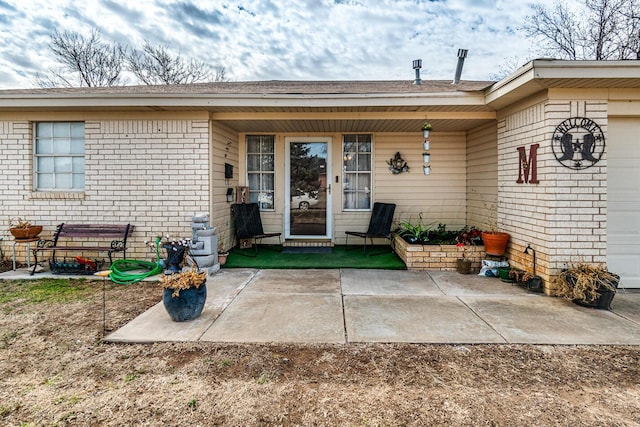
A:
(53, 155)
(357, 172)
(261, 173)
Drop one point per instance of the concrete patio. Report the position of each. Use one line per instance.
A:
(351, 305)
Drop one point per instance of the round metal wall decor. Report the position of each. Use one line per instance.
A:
(578, 143)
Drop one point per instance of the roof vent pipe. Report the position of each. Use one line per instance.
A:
(462, 54)
(417, 64)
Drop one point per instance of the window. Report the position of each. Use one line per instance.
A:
(356, 172)
(260, 170)
(59, 156)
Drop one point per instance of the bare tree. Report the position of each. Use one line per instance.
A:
(608, 29)
(509, 66)
(86, 61)
(90, 61)
(155, 65)
(629, 40)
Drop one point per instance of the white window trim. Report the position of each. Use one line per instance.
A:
(370, 208)
(66, 193)
(275, 175)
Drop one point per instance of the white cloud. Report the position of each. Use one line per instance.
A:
(279, 39)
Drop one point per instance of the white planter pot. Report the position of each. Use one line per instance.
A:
(425, 133)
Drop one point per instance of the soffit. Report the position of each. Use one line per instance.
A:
(543, 74)
(340, 126)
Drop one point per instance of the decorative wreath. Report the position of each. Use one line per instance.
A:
(397, 164)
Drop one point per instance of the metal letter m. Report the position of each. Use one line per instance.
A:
(528, 166)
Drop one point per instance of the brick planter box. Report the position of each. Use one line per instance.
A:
(436, 257)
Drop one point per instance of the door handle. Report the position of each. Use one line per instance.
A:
(329, 189)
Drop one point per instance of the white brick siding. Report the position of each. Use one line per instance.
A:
(151, 173)
(564, 216)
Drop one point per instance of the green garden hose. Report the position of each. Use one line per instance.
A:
(121, 267)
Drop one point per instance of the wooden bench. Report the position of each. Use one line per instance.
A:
(85, 237)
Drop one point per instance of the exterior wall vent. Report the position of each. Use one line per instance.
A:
(417, 64)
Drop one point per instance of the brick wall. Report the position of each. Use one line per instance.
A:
(563, 217)
(151, 173)
(436, 257)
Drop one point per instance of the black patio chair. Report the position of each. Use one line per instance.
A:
(248, 224)
(379, 224)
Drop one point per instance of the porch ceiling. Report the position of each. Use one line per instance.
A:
(370, 119)
(351, 125)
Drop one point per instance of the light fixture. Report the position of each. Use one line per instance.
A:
(229, 195)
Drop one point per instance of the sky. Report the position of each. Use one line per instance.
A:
(282, 39)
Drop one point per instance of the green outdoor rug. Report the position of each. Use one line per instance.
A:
(271, 257)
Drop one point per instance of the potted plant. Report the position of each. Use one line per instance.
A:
(504, 274)
(176, 249)
(184, 294)
(495, 242)
(588, 285)
(426, 129)
(223, 254)
(466, 237)
(414, 233)
(22, 229)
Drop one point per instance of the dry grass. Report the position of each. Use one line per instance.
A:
(585, 282)
(57, 371)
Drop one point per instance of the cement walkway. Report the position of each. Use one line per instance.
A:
(349, 305)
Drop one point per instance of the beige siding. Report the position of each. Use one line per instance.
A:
(439, 197)
(482, 175)
(224, 149)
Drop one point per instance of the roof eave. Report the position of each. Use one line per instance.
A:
(539, 74)
(199, 101)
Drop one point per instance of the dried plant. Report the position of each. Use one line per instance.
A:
(584, 281)
(520, 276)
(182, 281)
(18, 222)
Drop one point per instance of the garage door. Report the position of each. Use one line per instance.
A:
(623, 207)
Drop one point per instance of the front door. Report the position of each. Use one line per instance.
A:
(308, 188)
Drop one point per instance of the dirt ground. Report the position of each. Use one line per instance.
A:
(56, 371)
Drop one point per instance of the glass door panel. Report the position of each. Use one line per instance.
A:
(308, 179)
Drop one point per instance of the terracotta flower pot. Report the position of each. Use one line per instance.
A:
(26, 233)
(222, 257)
(495, 243)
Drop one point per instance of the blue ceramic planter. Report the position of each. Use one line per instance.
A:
(186, 306)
